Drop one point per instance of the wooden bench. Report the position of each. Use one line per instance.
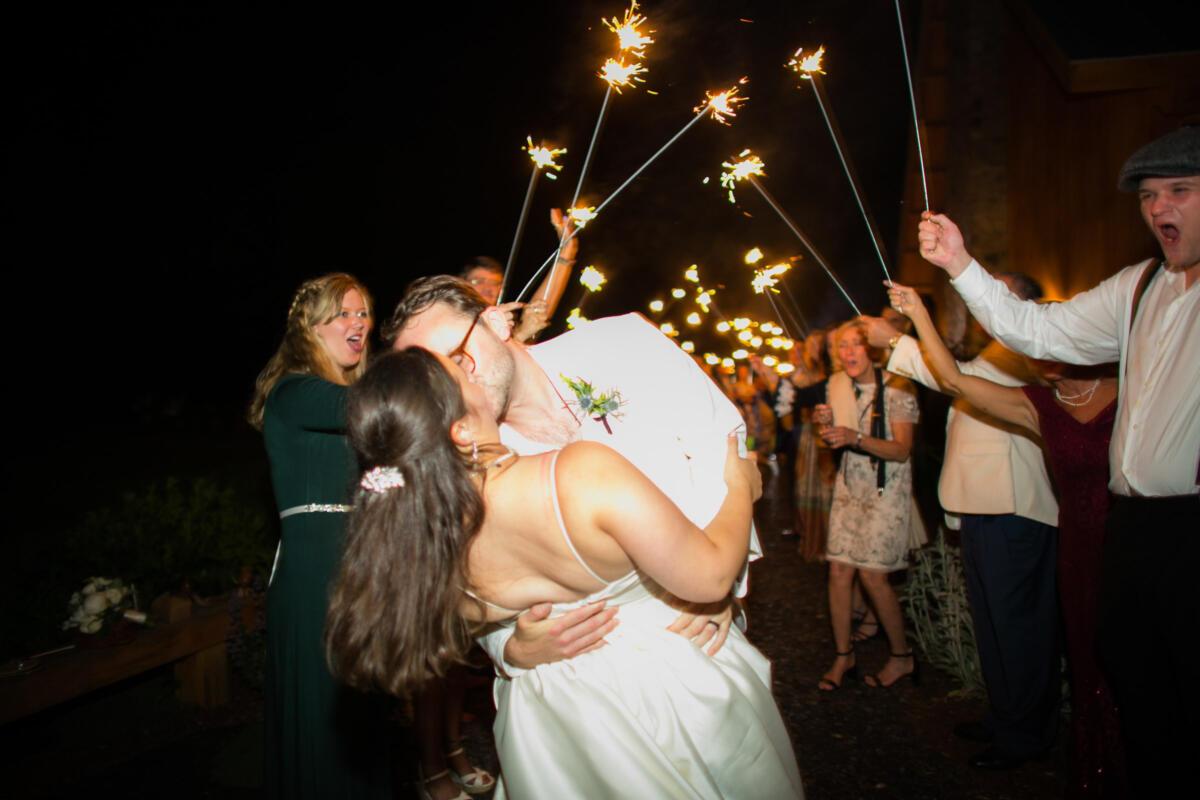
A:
(193, 637)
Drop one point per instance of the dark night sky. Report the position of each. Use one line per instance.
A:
(173, 173)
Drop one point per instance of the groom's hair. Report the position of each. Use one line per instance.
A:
(425, 292)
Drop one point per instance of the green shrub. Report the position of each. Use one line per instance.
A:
(935, 600)
(171, 532)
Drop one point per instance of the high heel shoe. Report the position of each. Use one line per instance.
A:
(477, 781)
(875, 682)
(829, 685)
(423, 784)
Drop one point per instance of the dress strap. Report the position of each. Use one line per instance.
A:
(553, 485)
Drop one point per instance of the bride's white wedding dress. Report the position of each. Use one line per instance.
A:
(649, 715)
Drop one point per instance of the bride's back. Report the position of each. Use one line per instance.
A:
(524, 553)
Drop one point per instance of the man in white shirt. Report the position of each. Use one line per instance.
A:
(670, 422)
(1147, 316)
(995, 488)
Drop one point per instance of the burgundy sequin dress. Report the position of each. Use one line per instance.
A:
(1077, 455)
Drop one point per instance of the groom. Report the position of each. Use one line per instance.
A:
(666, 417)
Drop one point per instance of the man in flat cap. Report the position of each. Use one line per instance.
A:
(1147, 316)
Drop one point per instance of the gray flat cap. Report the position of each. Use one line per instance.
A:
(1171, 156)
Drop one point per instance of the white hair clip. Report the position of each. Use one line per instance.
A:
(381, 479)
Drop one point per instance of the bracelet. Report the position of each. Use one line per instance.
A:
(858, 441)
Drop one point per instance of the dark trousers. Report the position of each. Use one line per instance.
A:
(1009, 563)
(1148, 637)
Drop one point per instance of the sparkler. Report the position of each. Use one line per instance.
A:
(628, 36)
(809, 68)
(720, 105)
(748, 174)
(765, 279)
(912, 97)
(739, 171)
(592, 279)
(764, 283)
(543, 160)
(582, 215)
(753, 255)
(616, 74)
(576, 318)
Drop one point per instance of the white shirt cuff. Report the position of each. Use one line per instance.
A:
(971, 283)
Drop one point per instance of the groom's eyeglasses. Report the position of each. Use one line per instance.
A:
(459, 355)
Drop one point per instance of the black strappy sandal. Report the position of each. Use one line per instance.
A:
(875, 682)
(828, 685)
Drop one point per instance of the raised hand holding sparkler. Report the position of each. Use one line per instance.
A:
(809, 69)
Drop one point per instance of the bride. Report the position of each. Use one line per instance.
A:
(451, 532)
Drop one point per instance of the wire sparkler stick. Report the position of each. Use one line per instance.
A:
(745, 170)
(773, 203)
(803, 323)
(721, 105)
(913, 100)
(779, 316)
(543, 158)
(587, 162)
(809, 69)
(765, 281)
(616, 73)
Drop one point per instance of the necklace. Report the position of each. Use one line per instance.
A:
(1083, 397)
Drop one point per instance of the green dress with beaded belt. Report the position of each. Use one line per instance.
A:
(323, 739)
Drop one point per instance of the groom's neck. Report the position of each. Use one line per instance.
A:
(536, 410)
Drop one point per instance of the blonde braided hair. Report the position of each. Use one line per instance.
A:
(316, 302)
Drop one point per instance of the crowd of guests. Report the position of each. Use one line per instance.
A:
(1071, 471)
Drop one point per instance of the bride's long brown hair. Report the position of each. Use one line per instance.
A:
(394, 612)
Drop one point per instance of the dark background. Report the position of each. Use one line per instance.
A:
(174, 172)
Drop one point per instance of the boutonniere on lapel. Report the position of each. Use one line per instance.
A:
(597, 405)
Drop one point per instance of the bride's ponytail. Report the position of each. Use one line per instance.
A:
(393, 619)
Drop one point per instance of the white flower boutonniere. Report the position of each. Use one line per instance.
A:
(597, 405)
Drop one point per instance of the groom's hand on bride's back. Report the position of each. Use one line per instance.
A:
(539, 640)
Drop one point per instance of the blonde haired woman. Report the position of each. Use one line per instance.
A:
(871, 415)
(322, 739)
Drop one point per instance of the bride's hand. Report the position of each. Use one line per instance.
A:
(741, 472)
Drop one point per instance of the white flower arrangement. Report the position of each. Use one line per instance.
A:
(100, 601)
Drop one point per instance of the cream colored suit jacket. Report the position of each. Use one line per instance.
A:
(990, 467)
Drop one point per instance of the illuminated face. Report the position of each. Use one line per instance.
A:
(487, 282)
(852, 352)
(483, 357)
(345, 336)
(1171, 209)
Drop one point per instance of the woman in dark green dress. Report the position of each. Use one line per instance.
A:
(323, 740)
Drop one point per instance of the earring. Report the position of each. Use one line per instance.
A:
(474, 452)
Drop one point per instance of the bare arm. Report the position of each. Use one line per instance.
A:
(699, 565)
(1006, 403)
(555, 283)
